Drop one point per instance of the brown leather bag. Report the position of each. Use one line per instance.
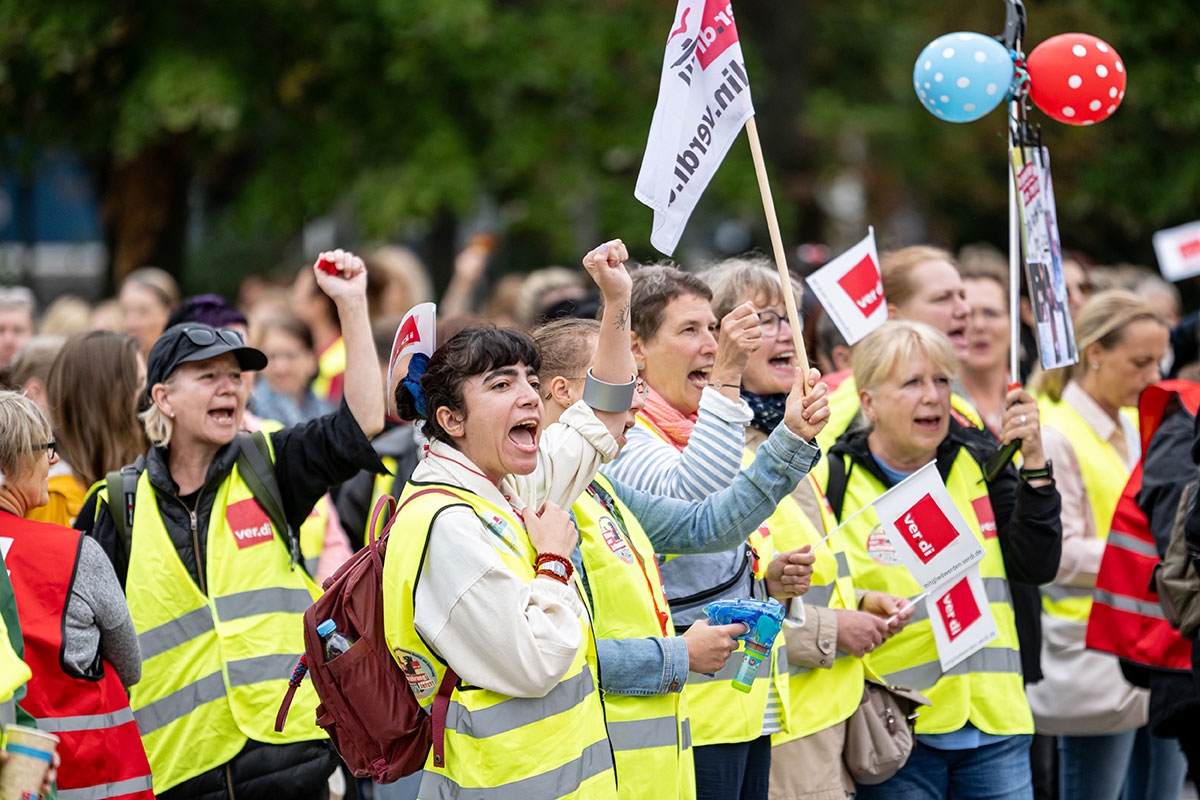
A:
(879, 734)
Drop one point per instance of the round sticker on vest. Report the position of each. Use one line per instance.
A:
(422, 680)
(614, 540)
(880, 549)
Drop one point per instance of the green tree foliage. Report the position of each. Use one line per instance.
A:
(279, 110)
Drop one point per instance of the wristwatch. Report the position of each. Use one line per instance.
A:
(556, 567)
(1033, 474)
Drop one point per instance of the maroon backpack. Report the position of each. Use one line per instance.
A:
(370, 714)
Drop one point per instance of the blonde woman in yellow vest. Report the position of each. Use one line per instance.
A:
(480, 580)
(974, 740)
(828, 633)
(688, 443)
(922, 284)
(216, 593)
(1089, 424)
(643, 664)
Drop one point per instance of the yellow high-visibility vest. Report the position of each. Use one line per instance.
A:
(556, 743)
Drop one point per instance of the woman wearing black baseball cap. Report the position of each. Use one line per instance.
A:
(194, 530)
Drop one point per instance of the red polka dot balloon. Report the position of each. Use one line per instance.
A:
(1076, 78)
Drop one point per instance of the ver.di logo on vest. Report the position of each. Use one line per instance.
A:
(248, 523)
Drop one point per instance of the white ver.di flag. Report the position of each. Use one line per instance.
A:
(851, 290)
(929, 533)
(703, 102)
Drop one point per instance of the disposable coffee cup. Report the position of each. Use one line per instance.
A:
(30, 752)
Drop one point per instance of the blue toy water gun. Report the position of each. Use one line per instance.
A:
(763, 620)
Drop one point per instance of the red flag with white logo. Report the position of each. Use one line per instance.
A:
(961, 618)
(703, 102)
(851, 290)
(931, 537)
(1178, 251)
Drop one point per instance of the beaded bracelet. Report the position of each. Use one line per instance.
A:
(545, 573)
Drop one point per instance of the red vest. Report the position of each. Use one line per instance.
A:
(1126, 619)
(101, 748)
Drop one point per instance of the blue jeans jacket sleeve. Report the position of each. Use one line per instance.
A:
(642, 666)
(722, 520)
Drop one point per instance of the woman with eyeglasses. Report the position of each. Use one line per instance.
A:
(80, 642)
(827, 635)
(201, 535)
(984, 379)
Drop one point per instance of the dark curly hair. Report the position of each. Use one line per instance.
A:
(470, 352)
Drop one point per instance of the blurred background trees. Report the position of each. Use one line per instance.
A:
(222, 139)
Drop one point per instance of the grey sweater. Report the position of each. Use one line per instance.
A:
(97, 622)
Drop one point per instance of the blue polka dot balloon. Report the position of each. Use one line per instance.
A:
(960, 77)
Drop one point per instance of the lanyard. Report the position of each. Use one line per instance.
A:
(606, 501)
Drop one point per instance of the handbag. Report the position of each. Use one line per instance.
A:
(879, 734)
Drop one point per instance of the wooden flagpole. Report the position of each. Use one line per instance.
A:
(785, 279)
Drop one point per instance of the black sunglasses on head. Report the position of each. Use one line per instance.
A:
(202, 337)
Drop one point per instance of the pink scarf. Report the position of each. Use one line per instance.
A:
(664, 418)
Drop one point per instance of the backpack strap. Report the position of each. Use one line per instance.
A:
(441, 704)
(254, 462)
(838, 479)
(122, 484)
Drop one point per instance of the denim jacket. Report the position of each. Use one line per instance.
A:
(658, 665)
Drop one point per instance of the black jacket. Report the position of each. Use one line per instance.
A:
(309, 459)
(353, 498)
(1027, 524)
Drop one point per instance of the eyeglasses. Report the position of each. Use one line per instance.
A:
(48, 447)
(202, 337)
(770, 322)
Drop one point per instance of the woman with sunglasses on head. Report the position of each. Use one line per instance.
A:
(80, 642)
(479, 590)
(203, 545)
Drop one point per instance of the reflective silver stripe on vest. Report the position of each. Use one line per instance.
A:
(843, 565)
(643, 733)
(103, 790)
(819, 595)
(1130, 604)
(685, 733)
(310, 566)
(273, 600)
(171, 634)
(8, 712)
(1133, 544)
(1054, 593)
(996, 589)
(797, 669)
(519, 711)
(86, 722)
(729, 671)
(276, 667)
(180, 703)
(595, 759)
(989, 659)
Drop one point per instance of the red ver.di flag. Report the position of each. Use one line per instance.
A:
(929, 533)
(703, 102)
(961, 618)
(1178, 251)
(851, 291)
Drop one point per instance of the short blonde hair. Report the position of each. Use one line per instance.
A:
(1102, 320)
(883, 351)
(895, 270)
(753, 278)
(23, 426)
(157, 423)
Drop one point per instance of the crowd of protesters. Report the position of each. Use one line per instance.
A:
(609, 450)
